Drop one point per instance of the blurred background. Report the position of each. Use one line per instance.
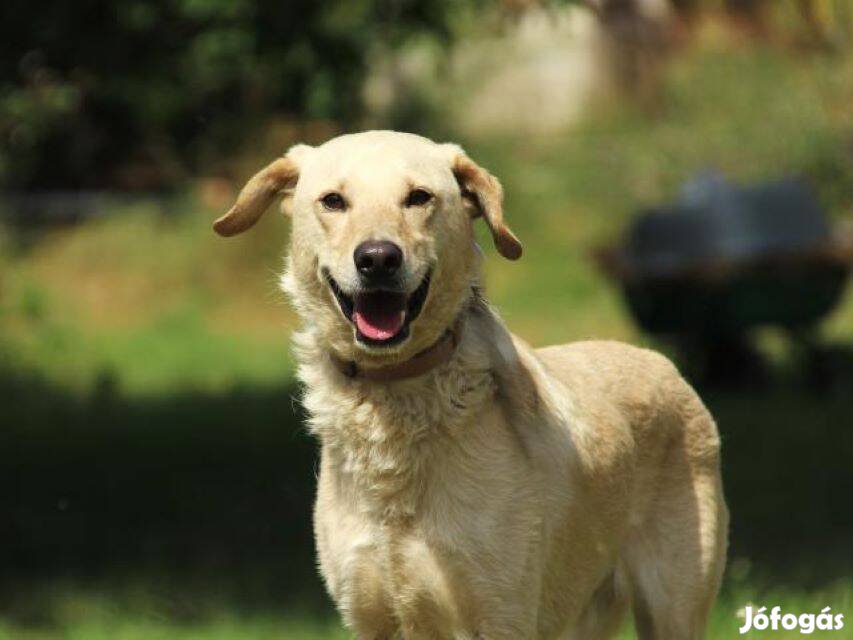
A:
(155, 479)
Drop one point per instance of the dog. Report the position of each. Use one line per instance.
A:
(470, 486)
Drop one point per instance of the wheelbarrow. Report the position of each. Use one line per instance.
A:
(723, 260)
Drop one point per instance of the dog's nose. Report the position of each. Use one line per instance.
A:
(378, 259)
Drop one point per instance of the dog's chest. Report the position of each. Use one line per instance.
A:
(385, 441)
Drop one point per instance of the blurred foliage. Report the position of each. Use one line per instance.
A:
(138, 94)
(134, 92)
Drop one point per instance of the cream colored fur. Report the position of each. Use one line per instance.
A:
(510, 493)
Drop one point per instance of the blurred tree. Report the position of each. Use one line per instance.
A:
(637, 39)
(130, 93)
(828, 21)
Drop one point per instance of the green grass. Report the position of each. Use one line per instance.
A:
(155, 469)
(82, 617)
(121, 627)
(148, 298)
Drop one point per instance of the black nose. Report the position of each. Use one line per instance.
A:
(378, 259)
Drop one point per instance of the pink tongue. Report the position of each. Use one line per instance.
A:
(380, 316)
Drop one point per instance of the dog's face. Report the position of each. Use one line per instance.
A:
(382, 250)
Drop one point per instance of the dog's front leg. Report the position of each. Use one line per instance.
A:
(505, 634)
(367, 613)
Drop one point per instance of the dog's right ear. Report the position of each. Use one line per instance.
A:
(274, 181)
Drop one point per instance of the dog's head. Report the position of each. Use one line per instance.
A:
(382, 249)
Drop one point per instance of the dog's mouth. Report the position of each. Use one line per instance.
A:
(381, 317)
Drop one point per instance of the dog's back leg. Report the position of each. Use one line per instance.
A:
(603, 615)
(675, 557)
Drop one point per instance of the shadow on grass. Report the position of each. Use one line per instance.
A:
(788, 470)
(207, 498)
(204, 497)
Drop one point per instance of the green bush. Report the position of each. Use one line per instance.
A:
(134, 92)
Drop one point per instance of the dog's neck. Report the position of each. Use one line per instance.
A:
(420, 364)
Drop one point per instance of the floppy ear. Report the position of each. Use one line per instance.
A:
(272, 182)
(484, 196)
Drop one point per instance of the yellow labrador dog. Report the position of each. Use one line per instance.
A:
(472, 487)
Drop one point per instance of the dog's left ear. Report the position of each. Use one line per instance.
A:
(483, 196)
(274, 181)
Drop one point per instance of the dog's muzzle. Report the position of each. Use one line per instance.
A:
(381, 316)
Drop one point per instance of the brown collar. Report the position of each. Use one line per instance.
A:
(417, 365)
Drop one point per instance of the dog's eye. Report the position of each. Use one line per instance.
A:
(334, 201)
(418, 198)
